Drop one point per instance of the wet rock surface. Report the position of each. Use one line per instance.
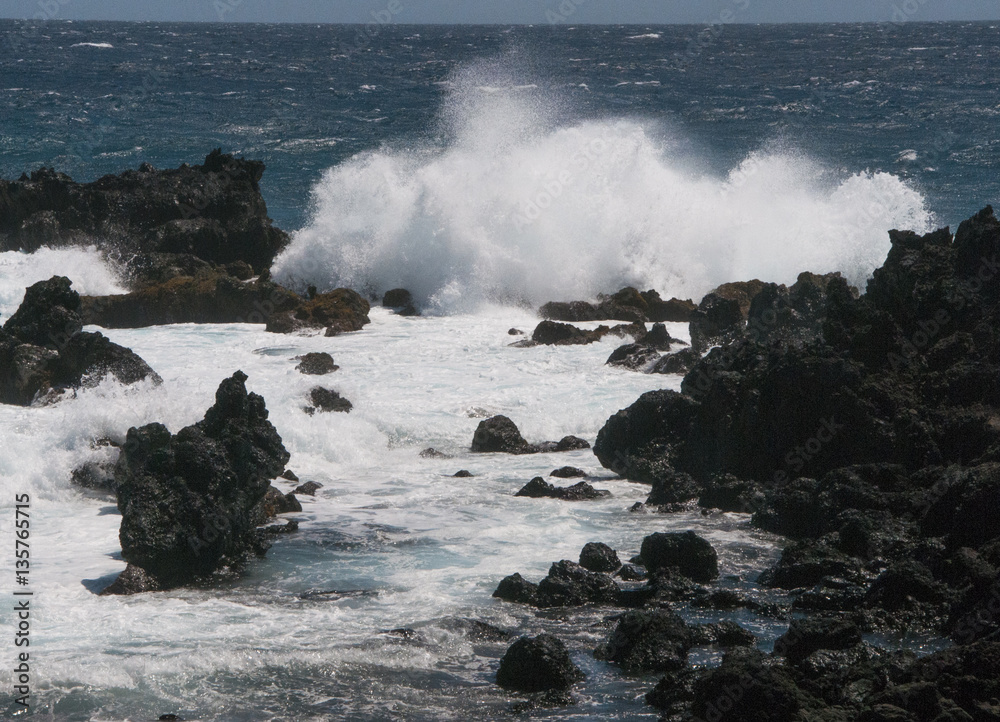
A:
(43, 348)
(190, 501)
(214, 210)
(538, 664)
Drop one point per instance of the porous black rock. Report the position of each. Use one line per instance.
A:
(329, 400)
(633, 356)
(214, 211)
(691, 555)
(316, 364)
(581, 491)
(537, 664)
(190, 501)
(309, 488)
(811, 634)
(569, 585)
(598, 557)
(43, 348)
(515, 588)
(567, 472)
(643, 641)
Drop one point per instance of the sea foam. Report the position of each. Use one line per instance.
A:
(521, 203)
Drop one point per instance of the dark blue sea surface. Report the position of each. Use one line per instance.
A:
(917, 100)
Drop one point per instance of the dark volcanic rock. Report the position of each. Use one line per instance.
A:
(537, 664)
(673, 488)
(401, 300)
(516, 588)
(500, 434)
(687, 552)
(633, 356)
(639, 442)
(746, 688)
(728, 493)
(648, 641)
(463, 474)
(805, 636)
(190, 501)
(316, 364)
(338, 311)
(132, 581)
(567, 472)
(209, 295)
(598, 557)
(277, 502)
(570, 585)
(806, 563)
(42, 348)
(48, 316)
(309, 488)
(432, 453)
(961, 683)
(553, 333)
(214, 211)
(328, 400)
(582, 491)
(723, 634)
(717, 320)
(626, 305)
(563, 334)
(566, 443)
(680, 362)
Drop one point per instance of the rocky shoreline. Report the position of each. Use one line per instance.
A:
(864, 428)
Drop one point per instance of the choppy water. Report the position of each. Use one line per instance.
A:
(419, 157)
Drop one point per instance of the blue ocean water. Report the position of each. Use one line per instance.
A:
(916, 100)
(488, 169)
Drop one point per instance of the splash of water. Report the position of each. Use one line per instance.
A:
(521, 205)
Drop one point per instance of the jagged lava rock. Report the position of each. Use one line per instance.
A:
(189, 501)
(582, 491)
(316, 364)
(42, 347)
(214, 211)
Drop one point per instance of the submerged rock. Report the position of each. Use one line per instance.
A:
(190, 501)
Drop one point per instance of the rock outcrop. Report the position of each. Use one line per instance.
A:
(214, 211)
(42, 348)
(191, 501)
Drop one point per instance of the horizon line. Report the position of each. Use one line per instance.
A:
(498, 25)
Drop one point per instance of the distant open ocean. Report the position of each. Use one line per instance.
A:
(488, 170)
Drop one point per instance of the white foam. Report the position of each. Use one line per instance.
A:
(90, 275)
(92, 45)
(522, 205)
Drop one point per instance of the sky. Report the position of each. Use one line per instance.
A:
(506, 11)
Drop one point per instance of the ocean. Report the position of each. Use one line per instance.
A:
(488, 170)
